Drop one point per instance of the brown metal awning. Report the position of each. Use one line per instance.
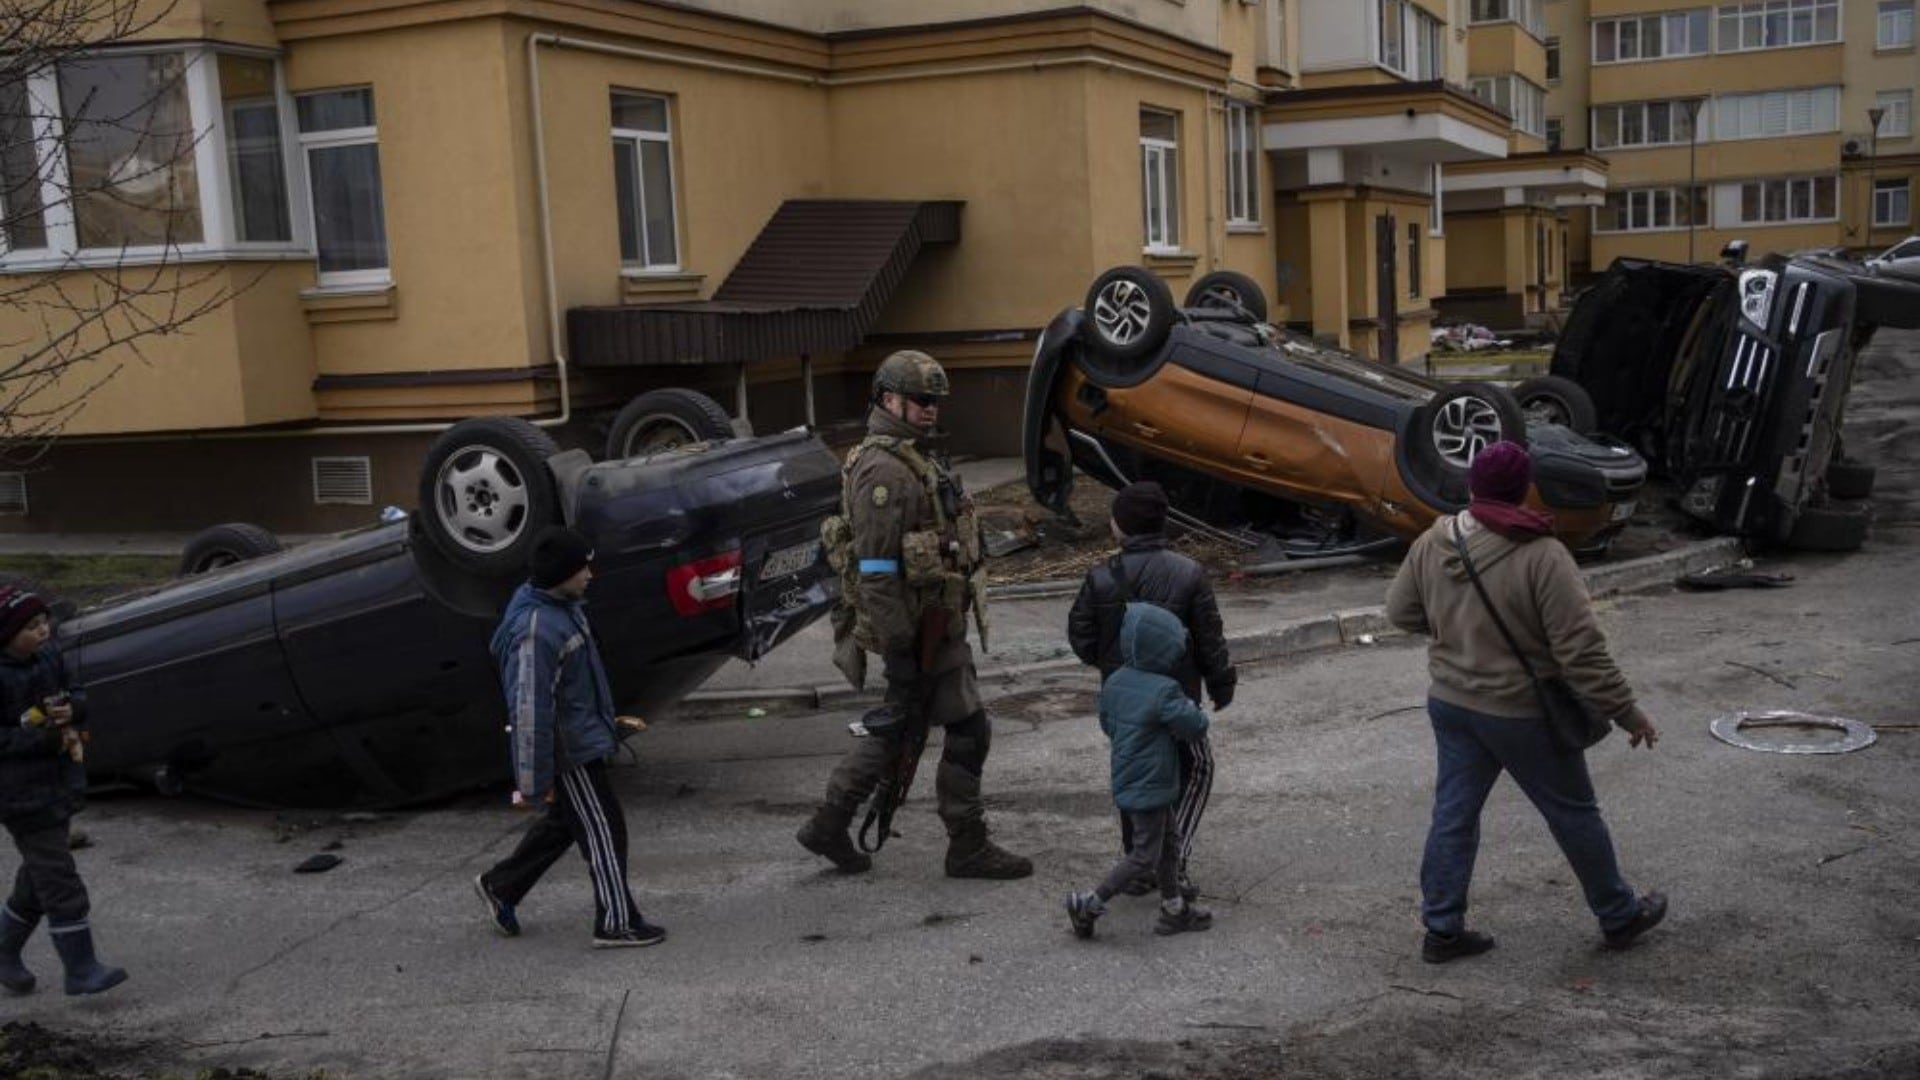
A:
(813, 281)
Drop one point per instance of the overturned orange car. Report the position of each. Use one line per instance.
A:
(1257, 430)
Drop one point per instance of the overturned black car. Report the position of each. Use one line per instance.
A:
(1733, 381)
(355, 671)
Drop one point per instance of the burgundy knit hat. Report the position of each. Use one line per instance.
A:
(17, 609)
(1501, 473)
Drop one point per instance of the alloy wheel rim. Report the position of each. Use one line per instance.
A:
(1463, 427)
(1121, 311)
(481, 499)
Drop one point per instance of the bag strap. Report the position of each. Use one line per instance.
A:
(1117, 566)
(1473, 574)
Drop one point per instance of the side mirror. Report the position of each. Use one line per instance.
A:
(1735, 253)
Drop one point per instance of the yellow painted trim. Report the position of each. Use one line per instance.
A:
(369, 306)
(658, 288)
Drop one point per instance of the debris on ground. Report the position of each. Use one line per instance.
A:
(319, 864)
(1739, 575)
(1467, 337)
(28, 1050)
(1065, 550)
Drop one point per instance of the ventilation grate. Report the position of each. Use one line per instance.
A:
(343, 480)
(13, 493)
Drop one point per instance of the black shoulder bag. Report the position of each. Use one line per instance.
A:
(1572, 725)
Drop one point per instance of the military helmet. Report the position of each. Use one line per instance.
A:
(909, 372)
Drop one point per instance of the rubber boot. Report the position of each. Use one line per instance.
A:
(825, 834)
(971, 855)
(14, 932)
(85, 973)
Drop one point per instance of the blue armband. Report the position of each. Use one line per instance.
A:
(880, 566)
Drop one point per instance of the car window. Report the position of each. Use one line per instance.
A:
(1907, 250)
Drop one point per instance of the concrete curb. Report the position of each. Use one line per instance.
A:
(1358, 626)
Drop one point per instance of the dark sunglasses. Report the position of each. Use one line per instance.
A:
(925, 401)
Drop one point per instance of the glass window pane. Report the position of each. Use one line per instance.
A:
(130, 150)
(1775, 200)
(656, 184)
(1662, 209)
(1650, 38)
(350, 224)
(626, 196)
(21, 201)
(1630, 39)
(1749, 202)
(1697, 31)
(1158, 125)
(1826, 24)
(1632, 126)
(336, 110)
(256, 164)
(1823, 197)
(640, 112)
(1659, 123)
(1799, 199)
(1603, 41)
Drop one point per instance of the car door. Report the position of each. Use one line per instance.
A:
(1308, 435)
(1193, 408)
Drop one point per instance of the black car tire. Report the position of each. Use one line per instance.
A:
(663, 419)
(485, 491)
(1129, 310)
(1848, 479)
(1558, 401)
(1229, 290)
(1883, 301)
(1461, 420)
(1837, 526)
(225, 545)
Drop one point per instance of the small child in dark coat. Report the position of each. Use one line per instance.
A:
(41, 780)
(1143, 710)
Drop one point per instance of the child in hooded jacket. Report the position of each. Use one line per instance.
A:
(1143, 710)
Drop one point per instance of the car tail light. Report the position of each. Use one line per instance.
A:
(705, 585)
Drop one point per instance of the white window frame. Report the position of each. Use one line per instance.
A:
(1897, 121)
(1666, 21)
(1525, 14)
(1243, 166)
(1893, 25)
(1896, 190)
(1160, 157)
(1556, 56)
(1524, 102)
(1423, 54)
(1820, 105)
(207, 115)
(1754, 14)
(345, 280)
(1556, 133)
(1790, 183)
(637, 136)
(1646, 204)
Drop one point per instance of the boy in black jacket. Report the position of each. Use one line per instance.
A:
(41, 780)
(1144, 569)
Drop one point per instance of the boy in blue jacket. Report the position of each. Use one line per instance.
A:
(562, 730)
(1143, 710)
(41, 781)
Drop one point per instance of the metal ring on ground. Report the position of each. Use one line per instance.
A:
(1743, 729)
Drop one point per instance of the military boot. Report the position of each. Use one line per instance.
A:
(826, 834)
(971, 855)
(14, 932)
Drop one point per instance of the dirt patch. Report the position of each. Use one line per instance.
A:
(1036, 707)
(86, 580)
(1065, 550)
(29, 1051)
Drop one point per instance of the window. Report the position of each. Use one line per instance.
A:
(1644, 123)
(1651, 209)
(256, 160)
(1160, 179)
(1410, 41)
(1553, 59)
(341, 143)
(1554, 130)
(129, 142)
(1892, 202)
(13, 493)
(643, 182)
(1777, 112)
(1524, 12)
(1243, 165)
(1894, 30)
(1413, 260)
(22, 207)
(1897, 121)
(1773, 202)
(1776, 24)
(1650, 37)
(1520, 99)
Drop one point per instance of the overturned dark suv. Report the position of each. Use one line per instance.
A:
(1732, 381)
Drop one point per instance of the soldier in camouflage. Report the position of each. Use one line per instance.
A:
(912, 569)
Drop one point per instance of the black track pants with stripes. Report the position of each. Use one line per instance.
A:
(1196, 787)
(585, 814)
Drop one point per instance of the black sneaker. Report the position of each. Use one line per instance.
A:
(1082, 909)
(1653, 908)
(499, 912)
(1189, 919)
(1440, 948)
(640, 935)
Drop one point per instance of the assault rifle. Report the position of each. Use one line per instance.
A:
(906, 723)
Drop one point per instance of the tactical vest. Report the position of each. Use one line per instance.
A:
(943, 566)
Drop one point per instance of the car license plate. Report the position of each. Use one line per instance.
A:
(1623, 511)
(789, 560)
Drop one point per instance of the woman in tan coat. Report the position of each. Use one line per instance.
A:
(1486, 716)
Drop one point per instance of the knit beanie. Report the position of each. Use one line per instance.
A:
(1501, 473)
(17, 609)
(558, 553)
(1140, 508)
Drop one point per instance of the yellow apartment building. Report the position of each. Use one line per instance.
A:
(1741, 120)
(400, 213)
